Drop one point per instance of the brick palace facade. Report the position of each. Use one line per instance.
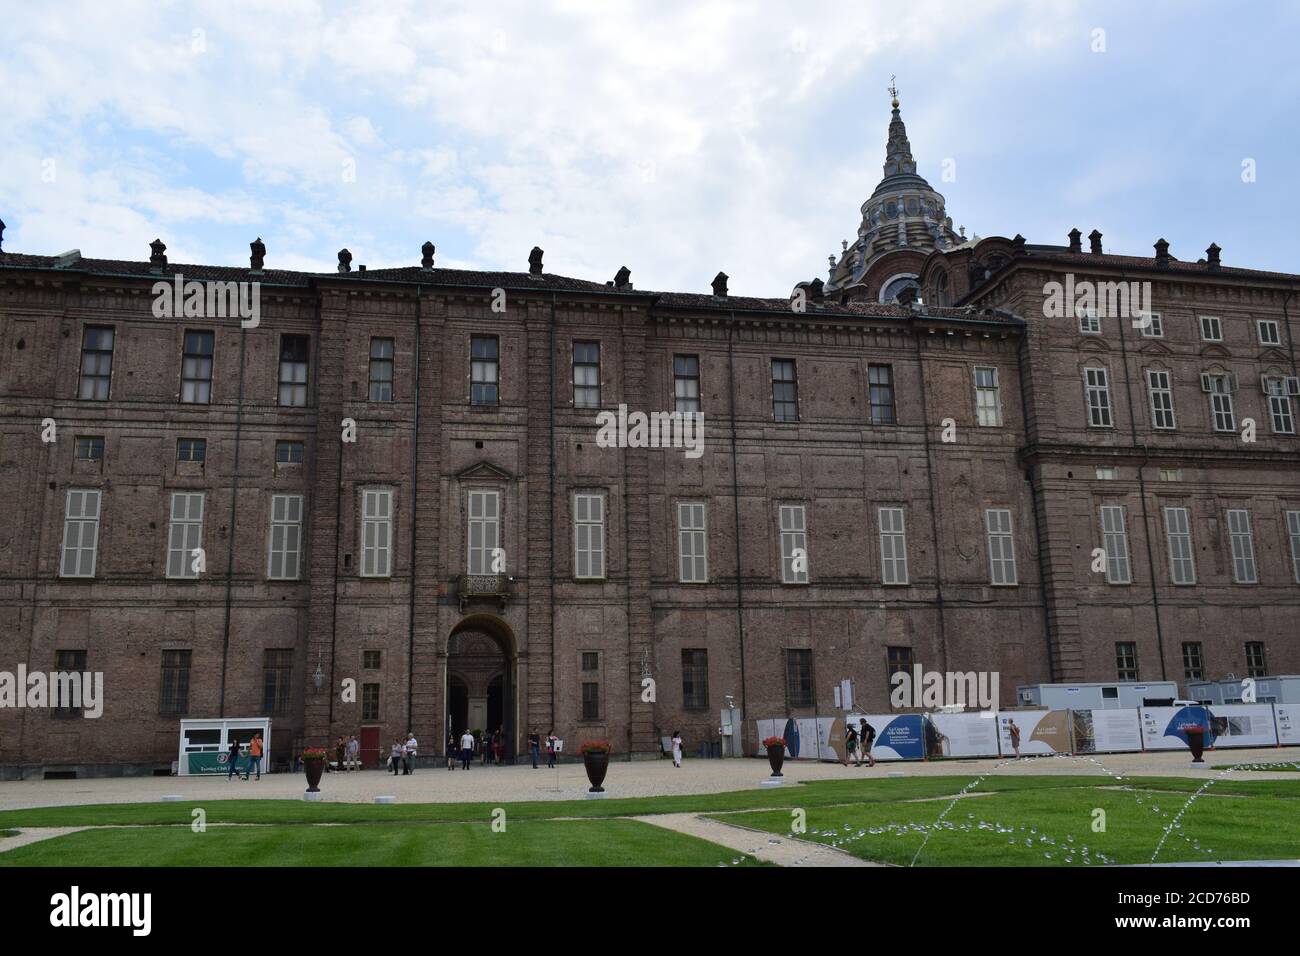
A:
(909, 461)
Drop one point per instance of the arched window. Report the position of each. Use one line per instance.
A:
(940, 294)
(900, 290)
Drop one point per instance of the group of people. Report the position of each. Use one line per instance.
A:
(857, 743)
(254, 758)
(403, 755)
(347, 753)
(491, 748)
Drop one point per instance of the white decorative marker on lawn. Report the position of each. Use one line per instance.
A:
(596, 795)
(313, 795)
(172, 798)
(385, 799)
(772, 782)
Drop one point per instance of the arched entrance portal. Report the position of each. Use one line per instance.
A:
(480, 679)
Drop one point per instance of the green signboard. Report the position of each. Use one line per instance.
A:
(215, 763)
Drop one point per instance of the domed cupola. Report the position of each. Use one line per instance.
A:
(903, 221)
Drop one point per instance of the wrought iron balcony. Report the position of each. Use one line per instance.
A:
(484, 587)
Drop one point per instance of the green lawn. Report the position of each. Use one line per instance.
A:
(530, 843)
(1235, 819)
(1291, 767)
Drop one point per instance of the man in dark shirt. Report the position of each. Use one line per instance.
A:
(867, 736)
(534, 746)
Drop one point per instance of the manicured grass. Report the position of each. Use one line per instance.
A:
(528, 843)
(812, 794)
(1292, 767)
(1231, 827)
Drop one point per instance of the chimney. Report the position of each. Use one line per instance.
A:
(1213, 254)
(1076, 240)
(535, 262)
(2, 235)
(1018, 245)
(623, 279)
(258, 257)
(157, 256)
(1094, 237)
(345, 261)
(426, 256)
(1162, 254)
(817, 291)
(720, 285)
(361, 268)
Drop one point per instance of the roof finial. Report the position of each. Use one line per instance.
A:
(893, 90)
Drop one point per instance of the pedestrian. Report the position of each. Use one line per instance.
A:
(484, 749)
(354, 753)
(866, 736)
(232, 758)
(534, 746)
(410, 747)
(453, 750)
(1014, 731)
(340, 753)
(466, 749)
(851, 747)
(677, 748)
(254, 756)
(499, 746)
(551, 743)
(395, 755)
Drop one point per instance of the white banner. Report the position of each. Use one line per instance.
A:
(1106, 731)
(963, 735)
(1243, 725)
(1287, 717)
(1038, 731)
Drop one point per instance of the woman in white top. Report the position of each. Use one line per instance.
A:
(677, 748)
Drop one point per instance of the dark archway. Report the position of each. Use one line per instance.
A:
(480, 675)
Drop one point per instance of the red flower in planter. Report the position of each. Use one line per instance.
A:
(773, 741)
(594, 746)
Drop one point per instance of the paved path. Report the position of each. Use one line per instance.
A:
(759, 844)
(637, 778)
(28, 835)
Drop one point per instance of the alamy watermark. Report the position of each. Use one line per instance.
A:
(934, 689)
(626, 429)
(1098, 300)
(60, 690)
(208, 300)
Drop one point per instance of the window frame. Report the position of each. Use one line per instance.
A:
(683, 380)
(94, 376)
(478, 369)
(587, 366)
(897, 541)
(1120, 558)
(81, 522)
(1243, 557)
(192, 360)
(1179, 547)
(285, 524)
(988, 398)
(487, 522)
(289, 360)
(378, 557)
(1167, 392)
(596, 551)
(697, 535)
(1100, 391)
(1004, 537)
(793, 535)
(185, 525)
(789, 390)
(379, 364)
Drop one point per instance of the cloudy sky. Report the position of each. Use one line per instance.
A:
(677, 139)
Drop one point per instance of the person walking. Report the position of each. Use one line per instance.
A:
(499, 746)
(551, 742)
(677, 748)
(534, 746)
(410, 747)
(453, 750)
(1014, 731)
(866, 736)
(484, 749)
(340, 753)
(466, 749)
(851, 746)
(395, 756)
(254, 756)
(354, 753)
(232, 759)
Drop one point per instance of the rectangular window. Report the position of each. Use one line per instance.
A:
(798, 677)
(1255, 664)
(586, 375)
(381, 370)
(369, 701)
(898, 660)
(794, 544)
(1193, 661)
(686, 383)
(1107, 473)
(286, 538)
(1126, 661)
(1178, 531)
(89, 448)
(1269, 332)
(484, 370)
(1211, 328)
(96, 363)
(67, 662)
(1220, 390)
(988, 397)
(893, 547)
(695, 679)
(1114, 537)
(785, 391)
(185, 534)
(192, 449)
(1243, 546)
(590, 661)
(372, 660)
(1002, 550)
(1154, 327)
(294, 355)
(277, 679)
(288, 452)
(880, 382)
(376, 532)
(1293, 533)
(484, 530)
(589, 534)
(80, 533)
(1161, 392)
(174, 687)
(590, 701)
(692, 542)
(1171, 474)
(1089, 321)
(1279, 406)
(1097, 388)
(196, 368)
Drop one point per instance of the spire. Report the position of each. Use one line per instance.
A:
(898, 152)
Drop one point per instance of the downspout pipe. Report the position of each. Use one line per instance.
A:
(934, 505)
(415, 514)
(234, 501)
(735, 502)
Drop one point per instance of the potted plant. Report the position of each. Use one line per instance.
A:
(1195, 741)
(313, 763)
(775, 753)
(595, 758)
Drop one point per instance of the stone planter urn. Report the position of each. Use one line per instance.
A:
(596, 763)
(1196, 742)
(314, 767)
(775, 756)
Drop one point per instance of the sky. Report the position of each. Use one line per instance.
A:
(675, 138)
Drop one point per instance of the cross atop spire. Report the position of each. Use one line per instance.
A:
(893, 90)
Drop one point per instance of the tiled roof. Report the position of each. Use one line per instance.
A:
(1063, 254)
(831, 306)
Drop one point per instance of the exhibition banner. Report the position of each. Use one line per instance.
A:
(1287, 717)
(1243, 725)
(973, 734)
(1165, 728)
(1040, 731)
(898, 736)
(1106, 731)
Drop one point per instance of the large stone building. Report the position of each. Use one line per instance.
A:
(396, 477)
